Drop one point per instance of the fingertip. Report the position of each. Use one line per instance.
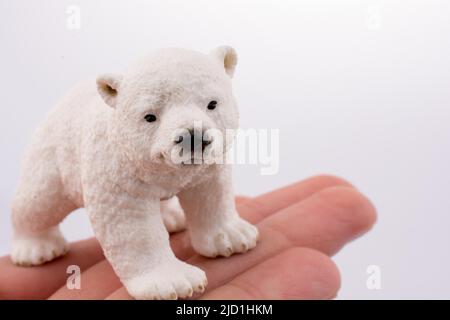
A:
(327, 180)
(309, 274)
(357, 211)
(296, 273)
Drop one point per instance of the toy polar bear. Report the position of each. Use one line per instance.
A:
(106, 147)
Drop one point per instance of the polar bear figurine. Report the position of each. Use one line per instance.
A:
(109, 147)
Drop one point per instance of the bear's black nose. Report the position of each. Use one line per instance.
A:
(195, 138)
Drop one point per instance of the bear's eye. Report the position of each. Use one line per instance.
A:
(212, 105)
(150, 118)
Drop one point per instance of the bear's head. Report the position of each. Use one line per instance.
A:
(173, 107)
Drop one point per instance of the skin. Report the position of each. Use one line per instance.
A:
(301, 226)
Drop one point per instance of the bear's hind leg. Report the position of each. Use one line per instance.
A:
(30, 249)
(36, 236)
(38, 207)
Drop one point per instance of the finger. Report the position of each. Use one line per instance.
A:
(40, 282)
(297, 273)
(257, 209)
(96, 283)
(264, 205)
(325, 221)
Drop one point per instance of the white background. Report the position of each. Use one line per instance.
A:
(359, 89)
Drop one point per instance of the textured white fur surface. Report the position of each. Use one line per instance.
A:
(95, 150)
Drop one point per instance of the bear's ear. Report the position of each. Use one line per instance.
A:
(108, 86)
(227, 57)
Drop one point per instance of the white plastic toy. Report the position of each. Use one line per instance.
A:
(108, 147)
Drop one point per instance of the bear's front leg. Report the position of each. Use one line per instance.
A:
(136, 243)
(214, 226)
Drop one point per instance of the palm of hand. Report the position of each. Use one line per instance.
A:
(300, 227)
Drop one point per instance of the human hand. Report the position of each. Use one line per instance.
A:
(300, 226)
